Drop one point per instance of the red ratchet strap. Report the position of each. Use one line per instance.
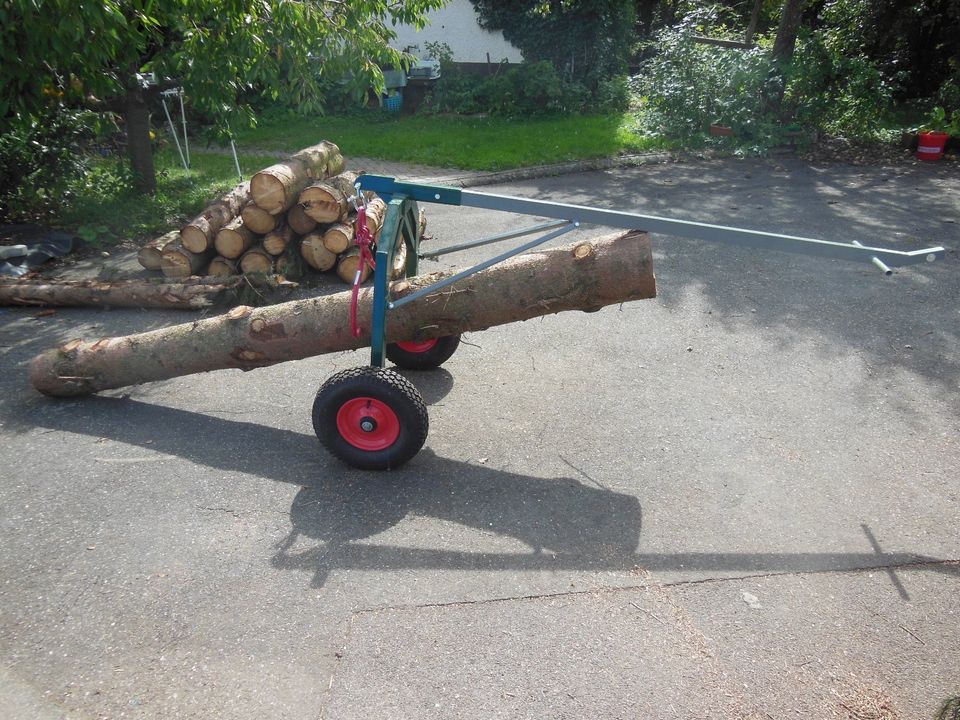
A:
(364, 239)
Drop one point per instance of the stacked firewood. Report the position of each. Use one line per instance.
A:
(296, 210)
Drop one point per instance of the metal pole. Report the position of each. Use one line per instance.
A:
(173, 132)
(183, 116)
(233, 149)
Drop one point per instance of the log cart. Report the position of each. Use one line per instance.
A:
(374, 418)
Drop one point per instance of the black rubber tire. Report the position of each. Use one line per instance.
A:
(427, 360)
(390, 388)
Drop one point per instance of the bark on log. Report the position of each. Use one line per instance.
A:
(178, 262)
(129, 293)
(277, 187)
(256, 260)
(198, 234)
(315, 252)
(235, 239)
(326, 201)
(150, 254)
(583, 276)
(276, 242)
(223, 267)
(259, 220)
(338, 237)
(299, 220)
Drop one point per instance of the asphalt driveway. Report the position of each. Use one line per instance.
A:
(739, 499)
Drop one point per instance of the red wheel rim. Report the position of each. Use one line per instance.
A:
(368, 424)
(412, 346)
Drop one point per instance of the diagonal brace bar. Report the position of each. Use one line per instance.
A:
(493, 238)
(480, 266)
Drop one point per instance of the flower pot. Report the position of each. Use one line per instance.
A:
(931, 144)
(721, 130)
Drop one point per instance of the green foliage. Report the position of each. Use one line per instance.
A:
(222, 54)
(685, 86)
(216, 50)
(841, 93)
(938, 121)
(103, 205)
(588, 40)
(913, 43)
(40, 156)
(531, 88)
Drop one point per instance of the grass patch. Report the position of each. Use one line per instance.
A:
(469, 143)
(105, 209)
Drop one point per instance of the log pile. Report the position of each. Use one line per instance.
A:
(298, 207)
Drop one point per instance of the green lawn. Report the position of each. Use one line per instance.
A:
(471, 143)
(104, 209)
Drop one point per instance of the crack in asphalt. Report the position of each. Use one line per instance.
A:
(676, 583)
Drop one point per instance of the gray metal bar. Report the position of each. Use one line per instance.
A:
(493, 238)
(696, 230)
(183, 117)
(481, 266)
(173, 133)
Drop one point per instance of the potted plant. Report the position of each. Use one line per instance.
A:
(934, 134)
(718, 129)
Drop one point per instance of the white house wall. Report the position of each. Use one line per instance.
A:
(457, 26)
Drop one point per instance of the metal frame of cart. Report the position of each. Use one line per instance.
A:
(373, 418)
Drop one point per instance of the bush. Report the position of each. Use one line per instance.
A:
(534, 88)
(837, 88)
(685, 86)
(40, 157)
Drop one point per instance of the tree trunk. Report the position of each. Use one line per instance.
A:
(130, 293)
(256, 261)
(235, 239)
(328, 201)
(222, 267)
(276, 242)
(199, 234)
(786, 40)
(259, 220)
(338, 237)
(315, 252)
(376, 214)
(581, 276)
(178, 262)
(347, 266)
(277, 187)
(150, 254)
(754, 20)
(136, 118)
(299, 220)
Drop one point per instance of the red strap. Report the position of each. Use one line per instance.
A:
(364, 239)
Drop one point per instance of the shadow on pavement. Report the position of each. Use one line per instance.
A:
(566, 524)
(907, 321)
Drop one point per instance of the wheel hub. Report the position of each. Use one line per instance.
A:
(368, 423)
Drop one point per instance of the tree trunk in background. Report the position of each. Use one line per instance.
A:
(786, 40)
(754, 20)
(136, 118)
